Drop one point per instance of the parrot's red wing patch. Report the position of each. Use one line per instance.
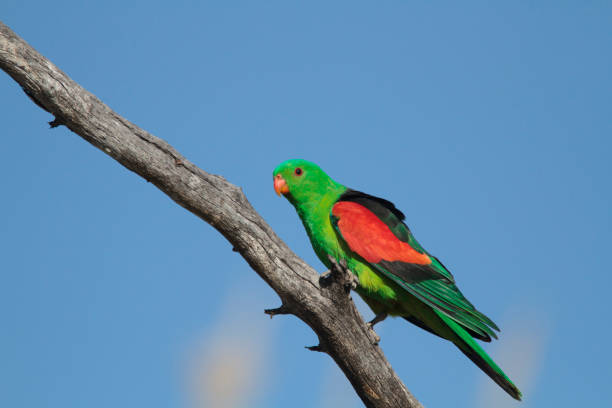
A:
(373, 229)
(371, 238)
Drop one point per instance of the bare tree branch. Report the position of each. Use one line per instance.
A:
(327, 308)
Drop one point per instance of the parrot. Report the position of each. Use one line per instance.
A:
(395, 275)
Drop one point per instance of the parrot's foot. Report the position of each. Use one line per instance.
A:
(377, 319)
(339, 272)
(372, 333)
(354, 282)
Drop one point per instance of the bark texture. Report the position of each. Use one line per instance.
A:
(324, 305)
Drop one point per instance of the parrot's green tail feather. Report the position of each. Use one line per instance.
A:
(474, 352)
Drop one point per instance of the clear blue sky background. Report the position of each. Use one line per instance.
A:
(489, 126)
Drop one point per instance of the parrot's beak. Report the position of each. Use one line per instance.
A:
(280, 185)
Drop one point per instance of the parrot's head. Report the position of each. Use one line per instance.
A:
(301, 181)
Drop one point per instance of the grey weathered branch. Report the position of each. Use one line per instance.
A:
(327, 309)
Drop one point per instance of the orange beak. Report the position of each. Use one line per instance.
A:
(280, 185)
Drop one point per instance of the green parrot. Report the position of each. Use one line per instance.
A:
(396, 275)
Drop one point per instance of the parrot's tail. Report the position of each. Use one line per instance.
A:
(474, 352)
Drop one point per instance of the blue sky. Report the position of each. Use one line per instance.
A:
(488, 125)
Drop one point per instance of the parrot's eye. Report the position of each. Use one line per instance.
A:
(298, 171)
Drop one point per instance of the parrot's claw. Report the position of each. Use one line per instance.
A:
(339, 272)
(353, 282)
(375, 336)
(377, 319)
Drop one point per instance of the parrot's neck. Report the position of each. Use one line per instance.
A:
(315, 215)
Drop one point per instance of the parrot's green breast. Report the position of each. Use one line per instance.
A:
(315, 217)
